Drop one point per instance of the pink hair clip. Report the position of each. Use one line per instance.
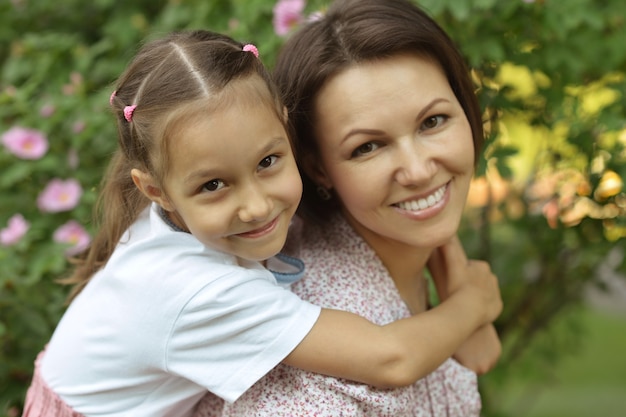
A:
(112, 97)
(128, 112)
(251, 48)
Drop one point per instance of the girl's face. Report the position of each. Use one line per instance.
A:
(397, 148)
(232, 180)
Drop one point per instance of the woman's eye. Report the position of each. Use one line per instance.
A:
(433, 122)
(365, 149)
(268, 161)
(214, 185)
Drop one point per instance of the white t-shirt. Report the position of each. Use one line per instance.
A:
(166, 319)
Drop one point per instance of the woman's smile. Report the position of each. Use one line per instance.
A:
(399, 159)
(423, 203)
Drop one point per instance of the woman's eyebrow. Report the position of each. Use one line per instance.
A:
(421, 114)
(430, 105)
(361, 131)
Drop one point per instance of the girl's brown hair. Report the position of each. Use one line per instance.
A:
(350, 33)
(166, 79)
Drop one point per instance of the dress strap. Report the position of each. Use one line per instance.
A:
(294, 271)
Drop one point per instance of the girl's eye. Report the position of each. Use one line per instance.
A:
(268, 161)
(365, 149)
(214, 185)
(434, 121)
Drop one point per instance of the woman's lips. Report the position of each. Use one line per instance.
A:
(424, 203)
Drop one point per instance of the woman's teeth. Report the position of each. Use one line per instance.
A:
(423, 203)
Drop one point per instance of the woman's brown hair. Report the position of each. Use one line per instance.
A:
(350, 33)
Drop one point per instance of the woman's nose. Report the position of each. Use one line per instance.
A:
(415, 164)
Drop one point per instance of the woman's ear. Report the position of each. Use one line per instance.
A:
(312, 167)
(150, 188)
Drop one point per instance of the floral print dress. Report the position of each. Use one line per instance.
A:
(343, 272)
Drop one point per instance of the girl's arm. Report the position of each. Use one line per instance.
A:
(481, 351)
(345, 345)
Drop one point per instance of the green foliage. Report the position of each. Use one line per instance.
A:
(586, 384)
(545, 271)
(558, 68)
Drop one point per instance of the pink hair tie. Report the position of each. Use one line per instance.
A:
(128, 112)
(251, 48)
(112, 97)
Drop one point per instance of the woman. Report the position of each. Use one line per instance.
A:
(388, 130)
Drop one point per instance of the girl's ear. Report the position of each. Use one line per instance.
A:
(312, 167)
(285, 114)
(150, 188)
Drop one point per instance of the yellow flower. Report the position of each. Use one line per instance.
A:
(610, 185)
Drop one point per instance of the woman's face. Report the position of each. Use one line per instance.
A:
(397, 148)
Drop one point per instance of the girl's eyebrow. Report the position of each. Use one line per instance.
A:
(209, 172)
(273, 143)
(201, 173)
(421, 114)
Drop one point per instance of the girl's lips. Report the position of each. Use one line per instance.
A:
(261, 231)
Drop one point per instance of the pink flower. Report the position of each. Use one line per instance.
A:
(15, 230)
(74, 234)
(59, 195)
(47, 110)
(72, 158)
(11, 91)
(551, 212)
(25, 143)
(233, 24)
(315, 16)
(76, 78)
(78, 126)
(287, 14)
(68, 89)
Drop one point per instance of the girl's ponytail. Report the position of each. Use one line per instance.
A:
(165, 79)
(118, 206)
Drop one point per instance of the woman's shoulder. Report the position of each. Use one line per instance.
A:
(342, 271)
(333, 237)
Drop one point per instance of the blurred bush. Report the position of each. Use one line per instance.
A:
(547, 207)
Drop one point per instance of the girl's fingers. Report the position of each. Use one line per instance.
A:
(454, 254)
(437, 264)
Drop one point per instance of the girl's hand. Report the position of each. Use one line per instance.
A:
(451, 270)
(448, 266)
(481, 351)
(453, 273)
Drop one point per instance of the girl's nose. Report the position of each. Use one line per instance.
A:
(256, 205)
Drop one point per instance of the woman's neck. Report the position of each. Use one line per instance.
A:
(405, 264)
(406, 267)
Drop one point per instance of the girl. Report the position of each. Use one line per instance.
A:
(388, 130)
(172, 298)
